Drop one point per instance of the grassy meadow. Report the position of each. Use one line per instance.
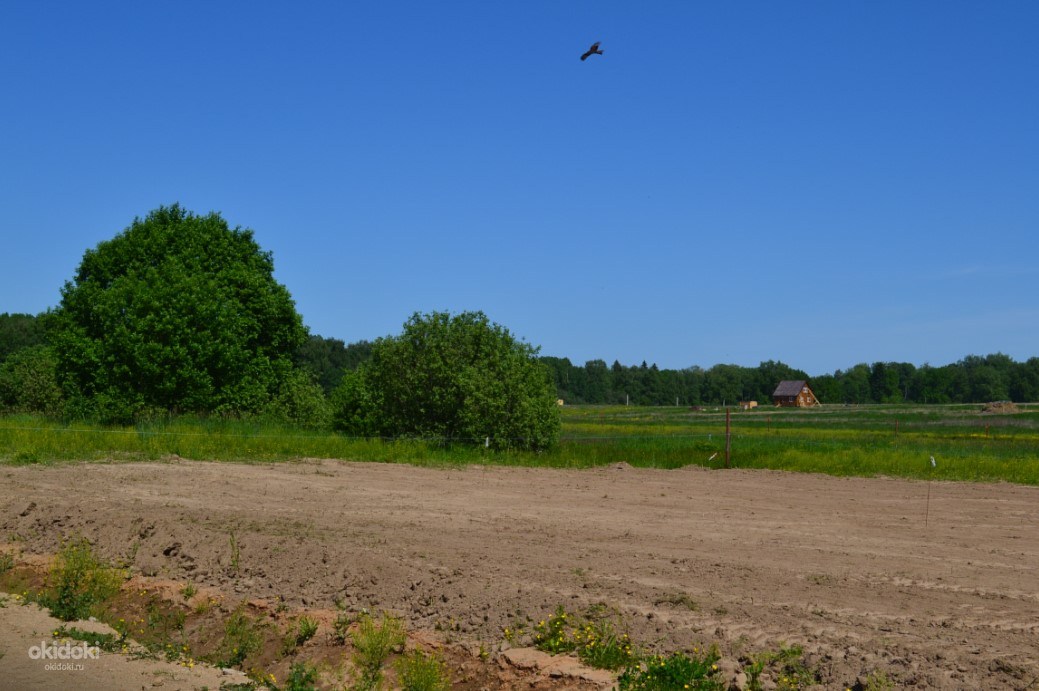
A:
(967, 443)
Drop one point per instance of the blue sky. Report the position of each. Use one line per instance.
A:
(822, 183)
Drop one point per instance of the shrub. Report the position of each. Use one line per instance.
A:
(28, 382)
(454, 378)
(301, 402)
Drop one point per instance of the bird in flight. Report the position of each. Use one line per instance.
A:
(594, 50)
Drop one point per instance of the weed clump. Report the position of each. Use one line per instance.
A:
(418, 671)
(597, 644)
(79, 583)
(305, 629)
(341, 625)
(6, 562)
(242, 638)
(554, 635)
(674, 672)
(302, 677)
(108, 642)
(374, 642)
(877, 681)
(787, 667)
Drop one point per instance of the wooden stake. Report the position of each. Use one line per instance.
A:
(728, 437)
(927, 510)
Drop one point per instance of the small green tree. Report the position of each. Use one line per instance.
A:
(178, 313)
(300, 401)
(28, 382)
(458, 378)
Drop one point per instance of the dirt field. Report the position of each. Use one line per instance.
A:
(845, 568)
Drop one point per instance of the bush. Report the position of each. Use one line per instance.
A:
(454, 378)
(28, 382)
(301, 402)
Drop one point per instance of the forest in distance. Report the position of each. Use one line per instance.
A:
(973, 379)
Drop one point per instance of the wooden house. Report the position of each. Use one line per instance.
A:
(794, 394)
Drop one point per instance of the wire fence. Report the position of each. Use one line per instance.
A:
(840, 436)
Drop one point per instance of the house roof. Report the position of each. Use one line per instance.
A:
(789, 388)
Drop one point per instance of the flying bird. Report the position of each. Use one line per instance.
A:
(594, 50)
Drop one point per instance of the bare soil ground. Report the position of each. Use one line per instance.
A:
(844, 567)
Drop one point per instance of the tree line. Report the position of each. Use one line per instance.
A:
(974, 379)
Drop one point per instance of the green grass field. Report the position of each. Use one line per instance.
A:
(967, 444)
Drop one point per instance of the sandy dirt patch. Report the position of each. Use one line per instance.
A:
(844, 567)
(27, 631)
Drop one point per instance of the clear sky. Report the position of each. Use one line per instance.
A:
(818, 182)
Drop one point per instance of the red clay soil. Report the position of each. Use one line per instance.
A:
(864, 574)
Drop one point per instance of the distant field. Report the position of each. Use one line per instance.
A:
(967, 443)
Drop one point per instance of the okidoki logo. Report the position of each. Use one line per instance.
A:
(66, 651)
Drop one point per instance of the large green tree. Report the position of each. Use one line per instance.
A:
(459, 378)
(177, 313)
